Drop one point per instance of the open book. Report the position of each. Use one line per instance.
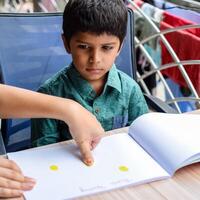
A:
(156, 146)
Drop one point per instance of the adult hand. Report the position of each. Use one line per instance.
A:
(12, 181)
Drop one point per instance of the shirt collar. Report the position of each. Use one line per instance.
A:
(85, 89)
(113, 79)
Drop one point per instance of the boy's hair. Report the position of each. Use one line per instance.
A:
(95, 16)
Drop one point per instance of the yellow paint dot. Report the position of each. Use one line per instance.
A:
(53, 167)
(123, 168)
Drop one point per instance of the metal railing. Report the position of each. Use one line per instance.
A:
(156, 69)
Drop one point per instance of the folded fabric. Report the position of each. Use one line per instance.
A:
(177, 11)
(177, 21)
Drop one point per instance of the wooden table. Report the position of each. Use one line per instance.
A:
(185, 184)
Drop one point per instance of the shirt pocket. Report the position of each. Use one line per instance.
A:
(120, 121)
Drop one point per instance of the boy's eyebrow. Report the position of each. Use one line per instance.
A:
(108, 43)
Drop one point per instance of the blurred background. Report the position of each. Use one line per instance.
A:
(31, 5)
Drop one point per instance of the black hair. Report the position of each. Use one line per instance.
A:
(95, 16)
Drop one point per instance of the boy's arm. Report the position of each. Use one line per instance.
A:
(44, 131)
(137, 105)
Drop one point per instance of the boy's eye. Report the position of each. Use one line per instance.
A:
(83, 46)
(107, 47)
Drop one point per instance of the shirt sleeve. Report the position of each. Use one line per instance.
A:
(43, 132)
(137, 104)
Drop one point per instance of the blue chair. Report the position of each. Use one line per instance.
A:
(31, 51)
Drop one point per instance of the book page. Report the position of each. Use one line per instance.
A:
(172, 139)
(60, 174)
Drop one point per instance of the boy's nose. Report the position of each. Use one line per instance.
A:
(94, 57)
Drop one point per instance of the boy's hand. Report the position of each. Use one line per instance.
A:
(86, 131)
(12, 181)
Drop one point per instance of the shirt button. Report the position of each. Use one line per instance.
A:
(97, 110)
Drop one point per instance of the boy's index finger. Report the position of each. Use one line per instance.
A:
(85, 149)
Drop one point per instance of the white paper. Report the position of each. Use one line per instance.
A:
(74, 179)
(172, 139)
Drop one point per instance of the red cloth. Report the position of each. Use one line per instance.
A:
(48, 5)
(137, 2)
(186, 44)
(177, 21)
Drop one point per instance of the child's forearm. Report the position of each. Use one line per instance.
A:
(22, 103)
(17, 102)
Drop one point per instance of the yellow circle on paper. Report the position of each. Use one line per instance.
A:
(123, 168)
(53, 167)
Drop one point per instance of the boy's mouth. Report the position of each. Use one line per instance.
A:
(94, 70)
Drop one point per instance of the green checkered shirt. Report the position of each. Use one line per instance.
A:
(119, 104)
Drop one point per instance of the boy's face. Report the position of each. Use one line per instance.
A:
(93, 55)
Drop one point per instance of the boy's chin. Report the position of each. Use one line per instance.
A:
(93, 78)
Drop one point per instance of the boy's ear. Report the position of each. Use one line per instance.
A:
(67, 48)
(120, 48)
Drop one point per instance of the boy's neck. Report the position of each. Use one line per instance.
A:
(98, 86)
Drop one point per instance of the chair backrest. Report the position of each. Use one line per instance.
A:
(126, 59)
(31, 51)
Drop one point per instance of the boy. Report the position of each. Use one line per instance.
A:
(16, 102)
(93, 33)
